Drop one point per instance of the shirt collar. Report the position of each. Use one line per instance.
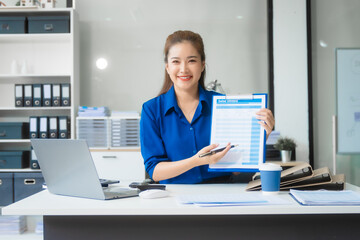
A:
(171, 103)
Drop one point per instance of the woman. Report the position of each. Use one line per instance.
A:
(175, 126)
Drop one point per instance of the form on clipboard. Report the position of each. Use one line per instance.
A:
(234, 120)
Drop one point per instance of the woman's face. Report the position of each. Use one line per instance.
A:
(184, 66)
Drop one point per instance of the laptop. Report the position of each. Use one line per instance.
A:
(68, 169)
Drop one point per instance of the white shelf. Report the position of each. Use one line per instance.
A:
(14, 140)
(34, 108)
(24, 236)
(33, 75)
(28, 37)
(20, 170)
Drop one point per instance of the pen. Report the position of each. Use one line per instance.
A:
(215, 151)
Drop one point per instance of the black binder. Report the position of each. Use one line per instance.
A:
(65, 94)
(37, 92)
(19, 95)
(44, 127)
(63, 127)
(34, 127)
(53, 127)
(56, 95)
(28, 95)
(47, 95)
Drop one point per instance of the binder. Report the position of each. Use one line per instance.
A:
(65, 94)
(46, 95)
(299, 175)
(34, 126)
(53, 127)
(63, 127)
(28, 95)
(293, 172)
(19, 95)
(37, 95)
(56, 96)
(34, 162)
(44, 131)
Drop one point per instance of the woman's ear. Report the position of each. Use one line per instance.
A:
(203, 66)
(167, 68)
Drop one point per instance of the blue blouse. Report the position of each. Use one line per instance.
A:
(166, 135)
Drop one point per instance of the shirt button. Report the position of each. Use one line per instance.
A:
(191, 129)
(194, 151)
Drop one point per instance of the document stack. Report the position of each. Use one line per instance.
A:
(92, 125)
(12, 225)
(125, 130)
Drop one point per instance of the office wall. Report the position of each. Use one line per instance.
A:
(334, 25)
(290, 73)
(130, 35)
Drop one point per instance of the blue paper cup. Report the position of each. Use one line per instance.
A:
(270, 178)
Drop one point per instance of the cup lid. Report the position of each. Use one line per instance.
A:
(270, 167)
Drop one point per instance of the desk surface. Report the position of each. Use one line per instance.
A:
(47, 204)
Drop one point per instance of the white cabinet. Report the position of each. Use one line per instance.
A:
(119, 165)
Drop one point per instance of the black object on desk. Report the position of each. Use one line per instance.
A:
(142, 186)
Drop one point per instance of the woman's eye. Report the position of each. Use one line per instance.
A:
(192, 60)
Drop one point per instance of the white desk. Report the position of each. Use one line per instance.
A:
(135, 218)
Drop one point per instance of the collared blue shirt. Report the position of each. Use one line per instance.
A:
(166, 135)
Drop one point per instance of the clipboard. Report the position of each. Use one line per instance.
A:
(234, 120)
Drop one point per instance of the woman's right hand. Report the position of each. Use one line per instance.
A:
(213, 158)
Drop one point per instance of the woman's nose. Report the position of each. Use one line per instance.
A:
(183, 67)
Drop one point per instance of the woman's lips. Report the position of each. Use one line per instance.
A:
(184, 78)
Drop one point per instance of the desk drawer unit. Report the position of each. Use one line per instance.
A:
(26, 184)
(6, 189)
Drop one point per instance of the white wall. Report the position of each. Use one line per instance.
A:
(290, 73)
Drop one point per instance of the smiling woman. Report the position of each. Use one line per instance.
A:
(175, 126)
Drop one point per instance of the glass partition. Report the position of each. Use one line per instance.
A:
(121, 50)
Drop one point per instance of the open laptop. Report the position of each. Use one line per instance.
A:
(68, 169)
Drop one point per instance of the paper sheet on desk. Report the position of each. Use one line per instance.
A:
(222, 200)
(326, 198)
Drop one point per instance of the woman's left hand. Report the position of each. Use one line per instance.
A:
(267, 120)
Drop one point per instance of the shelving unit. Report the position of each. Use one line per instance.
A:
(49, 58)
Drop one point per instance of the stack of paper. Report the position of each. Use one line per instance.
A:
(93, 111)
(12, 225)
(326, 198)
(220, 200)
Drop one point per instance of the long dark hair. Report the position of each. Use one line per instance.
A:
(178, 37)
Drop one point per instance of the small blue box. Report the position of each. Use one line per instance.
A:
(12, 24)
(14, 159)
(14, 130)
(6, 189)
(27, 184)
(49, 24)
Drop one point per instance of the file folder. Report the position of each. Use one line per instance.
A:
(56, 96)
(37, 95)
(19, 95)
(65, 94)
(53, 127)
(63, 127)
(44, 132)
(34, 126)
(34, 162)
(47, 95)
(28, 95)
